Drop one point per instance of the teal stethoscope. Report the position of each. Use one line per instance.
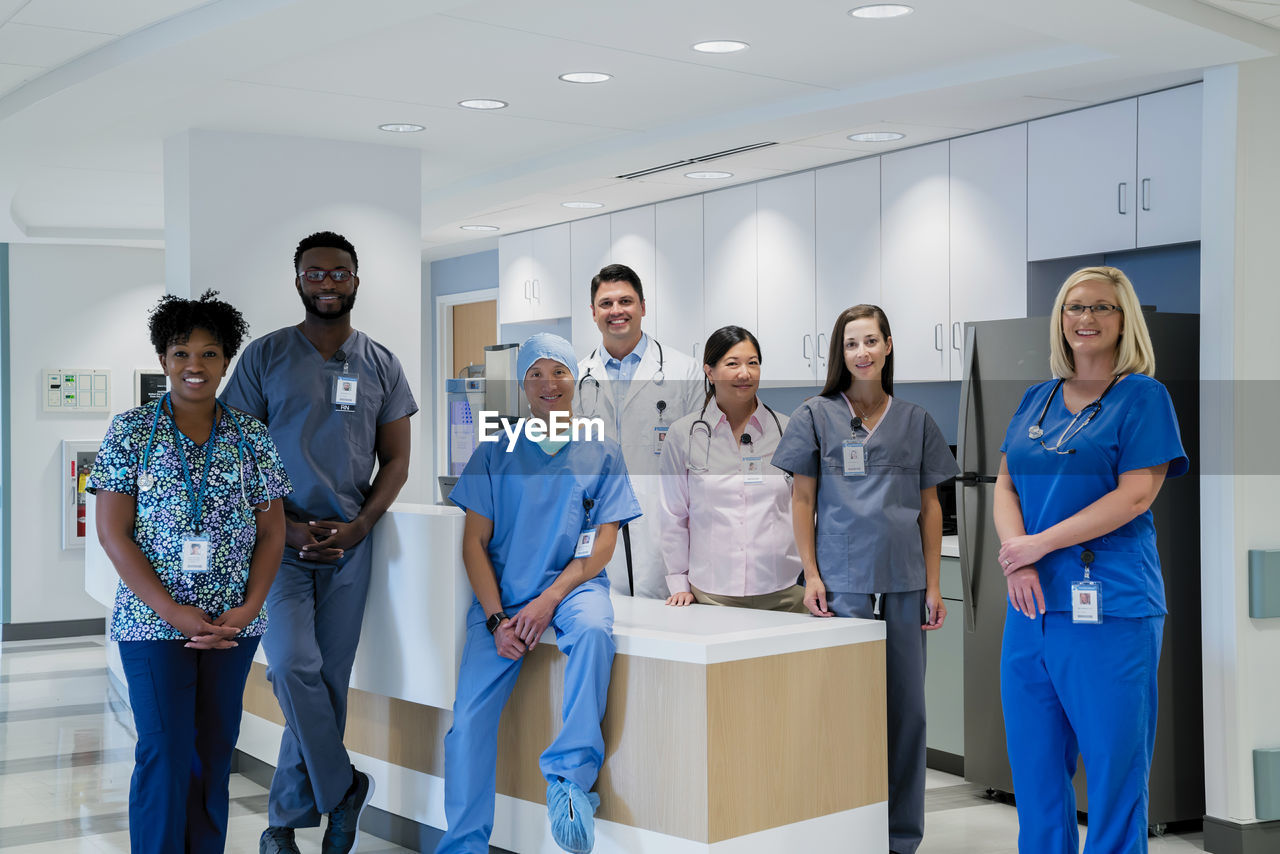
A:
(701, 426)
(147, 481)
(658, 378)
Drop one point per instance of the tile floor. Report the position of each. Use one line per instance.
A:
(66, 753)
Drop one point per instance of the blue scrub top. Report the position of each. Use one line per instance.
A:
(1136, 429)
(535, 503)
(867, 536)
(283, 380)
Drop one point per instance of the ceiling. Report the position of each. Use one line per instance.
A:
(89, 90)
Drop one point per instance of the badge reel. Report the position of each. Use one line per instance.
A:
(195, 553)
(1086, 595)
(660, 430)
(586, 539)
(854, 451)
(753, 470)
(345, 388)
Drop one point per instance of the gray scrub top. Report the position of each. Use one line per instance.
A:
(868, 533)
(282, 380)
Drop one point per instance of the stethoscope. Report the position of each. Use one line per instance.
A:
(701, 422)
(146, 480)
(658, 379)
(1037, 431)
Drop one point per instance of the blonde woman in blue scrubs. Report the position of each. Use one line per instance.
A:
(869, 528)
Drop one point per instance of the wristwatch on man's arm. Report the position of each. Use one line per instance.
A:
(496, 619)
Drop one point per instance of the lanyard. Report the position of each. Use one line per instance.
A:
(197, 496)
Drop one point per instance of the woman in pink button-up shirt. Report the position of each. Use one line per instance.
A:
(726, 511)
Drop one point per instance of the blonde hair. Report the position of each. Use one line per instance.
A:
(1134, 353)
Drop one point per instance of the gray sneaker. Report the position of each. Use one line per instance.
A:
(277, 840)
(342, 835)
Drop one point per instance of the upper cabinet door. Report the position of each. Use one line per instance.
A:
(988, 232)
(1169, 125)
(785, 252)
(915, 289)
(633, 245)
(729, 241)
(848, 246)
(1082, 194)
(677, 282)
(551, 271)
(515, 277)
(588, 252)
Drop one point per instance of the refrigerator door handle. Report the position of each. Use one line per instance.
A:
(968, 466)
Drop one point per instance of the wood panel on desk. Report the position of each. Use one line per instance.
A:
(818, 746)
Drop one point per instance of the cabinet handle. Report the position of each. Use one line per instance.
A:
(804, 347)
(528, 289)
(937, 337)
(696, 345)
(822, 349)
(1122, 197)
(1146, 194)
(537, 290)
(955, 335)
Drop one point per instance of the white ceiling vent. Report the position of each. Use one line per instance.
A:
(695, 160)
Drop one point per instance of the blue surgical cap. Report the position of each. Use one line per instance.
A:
(544, 345)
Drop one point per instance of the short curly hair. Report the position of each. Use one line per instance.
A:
(325, 240)
(174, 318)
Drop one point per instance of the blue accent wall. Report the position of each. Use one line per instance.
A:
(940, 400)
(1167, 277)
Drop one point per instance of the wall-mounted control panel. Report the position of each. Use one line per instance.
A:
(75, 390)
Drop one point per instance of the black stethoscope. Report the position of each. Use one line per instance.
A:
(706, 429)
(1037, 430)
(658, 378)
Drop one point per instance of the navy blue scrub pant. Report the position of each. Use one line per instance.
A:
(1073, 689)
(316, 612)
(186, 709)
(903, 615)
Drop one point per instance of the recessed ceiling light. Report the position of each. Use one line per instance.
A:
(478, 227)
(482, 104)
(708, 175)
(722, 46)
(401, 127)
(876, 136)
(881, 10)
(581, 204)
(586, 77)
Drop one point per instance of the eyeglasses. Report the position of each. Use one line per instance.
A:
(1102, 309)
(315, 277)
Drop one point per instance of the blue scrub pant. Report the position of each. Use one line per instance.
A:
(316, 612)
(584, 632)
(903, 615)
(1079, 689)
(186, 709)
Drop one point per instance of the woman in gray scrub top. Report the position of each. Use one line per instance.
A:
(869, 529)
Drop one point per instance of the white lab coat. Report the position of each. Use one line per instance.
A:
(682, 389)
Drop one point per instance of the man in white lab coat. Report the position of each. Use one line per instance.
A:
(638, 388)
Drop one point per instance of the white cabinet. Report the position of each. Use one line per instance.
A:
(677, 280)
(588, 252)
(847, 245)
(632, 237)
(988, 232)
(1115, 176)
(915, 270)
(729, 246)
(533, 275)
(785, 276)
(1169, 126)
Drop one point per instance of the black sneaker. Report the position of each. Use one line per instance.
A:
(277, 840)
(343, 833)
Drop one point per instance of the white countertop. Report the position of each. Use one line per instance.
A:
(951, 545)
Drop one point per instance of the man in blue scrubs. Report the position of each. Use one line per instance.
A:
(333, 400)
(542, 521)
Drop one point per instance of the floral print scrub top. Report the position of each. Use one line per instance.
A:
(165, 514)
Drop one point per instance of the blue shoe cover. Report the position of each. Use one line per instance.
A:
(572, 813)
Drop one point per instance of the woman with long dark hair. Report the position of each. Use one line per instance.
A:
(868, 525)
(726, 511)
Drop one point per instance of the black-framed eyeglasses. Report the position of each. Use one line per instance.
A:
(1101, 309)
(315, 277)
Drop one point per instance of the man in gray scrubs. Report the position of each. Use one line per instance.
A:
(333, 400)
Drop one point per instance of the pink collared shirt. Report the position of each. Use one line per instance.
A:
(720, 533)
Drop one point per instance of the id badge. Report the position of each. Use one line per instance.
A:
(855, 458)
(659, 437)
(345, 388)
(195, 553)
(586, 542)
(753, 469)
(1086, 602)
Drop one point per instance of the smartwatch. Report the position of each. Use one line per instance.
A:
(495, 620)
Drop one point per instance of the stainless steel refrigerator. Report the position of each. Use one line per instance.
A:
(1003, 358)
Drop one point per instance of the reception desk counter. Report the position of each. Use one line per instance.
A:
(727, 730)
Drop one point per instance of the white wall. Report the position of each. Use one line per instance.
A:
(236, 206)
(1240, 373)
(71, 307)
